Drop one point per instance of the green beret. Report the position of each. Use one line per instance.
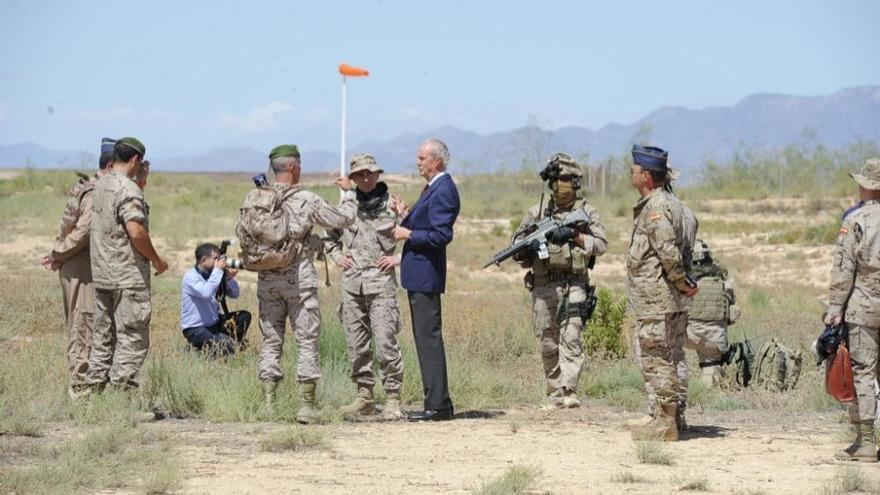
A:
(284, 150)
(133, 143)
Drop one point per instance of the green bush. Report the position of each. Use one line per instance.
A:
(814, 235)
(603, 335)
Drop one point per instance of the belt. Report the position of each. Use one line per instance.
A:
(555, 276)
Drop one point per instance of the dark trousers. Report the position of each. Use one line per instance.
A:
(215, 338)
(427, 325)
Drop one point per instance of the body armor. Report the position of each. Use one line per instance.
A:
(568, 262)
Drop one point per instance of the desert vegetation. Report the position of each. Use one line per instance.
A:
(776, 246)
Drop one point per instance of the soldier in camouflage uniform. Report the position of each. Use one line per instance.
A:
(560, 285)
(659, 290)
(854, 298)
(121, 253)
(70, 255)
(369, 290)
(713, 309)
(291, 293)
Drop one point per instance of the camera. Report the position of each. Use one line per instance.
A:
(234, 263)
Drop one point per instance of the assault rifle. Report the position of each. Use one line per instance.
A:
(537, 235)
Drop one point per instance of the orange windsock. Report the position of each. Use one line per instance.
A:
(347, 70)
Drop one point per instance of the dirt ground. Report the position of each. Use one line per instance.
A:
(577, 451)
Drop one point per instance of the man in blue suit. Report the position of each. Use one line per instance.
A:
(427, 229)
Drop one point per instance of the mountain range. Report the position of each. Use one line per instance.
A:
(759, 121)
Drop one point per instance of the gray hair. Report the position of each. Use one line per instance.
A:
(280, 164)
(438, 149)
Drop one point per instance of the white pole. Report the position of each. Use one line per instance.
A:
(342, 145)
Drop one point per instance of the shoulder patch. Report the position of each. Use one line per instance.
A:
(844, 230)
(655, 216)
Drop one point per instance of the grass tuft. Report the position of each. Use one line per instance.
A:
(516, 480)
(25, 425)
(849, 480)
(690, 482)
(655, 453)
(112, 456)
(295, 440)
(626, 477)
(618, 382)
(162, 478)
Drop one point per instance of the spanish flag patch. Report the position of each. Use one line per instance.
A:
(844, 230)
(655, 216)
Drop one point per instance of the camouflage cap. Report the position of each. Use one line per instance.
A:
(869, 176)
(363, 161)
(284, 150)
(567, 164)
(133, 143)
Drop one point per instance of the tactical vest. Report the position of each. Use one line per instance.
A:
(72, 210)
(566, 262)
(710, 303)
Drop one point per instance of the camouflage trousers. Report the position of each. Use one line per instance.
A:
(863, 353)
(376, 316)
(660, 355)
(709, 340)
(79, 313)
(121, 337)
(280, 299)
(562, 348)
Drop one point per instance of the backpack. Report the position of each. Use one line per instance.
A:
(263, 230)
(777, 367)
(743, 355)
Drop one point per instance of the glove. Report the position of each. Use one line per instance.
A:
(562, 235)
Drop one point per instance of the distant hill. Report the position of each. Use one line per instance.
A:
(760, 121)
(32, 154)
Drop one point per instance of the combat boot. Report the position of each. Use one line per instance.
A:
(269, 388)
(662, 426)
(363, 405)
(555, 400)
(865, 446)
(308, 404)
(79, 392)
(570, 400)
(392, 411)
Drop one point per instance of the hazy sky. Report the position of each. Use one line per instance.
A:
(186, 77)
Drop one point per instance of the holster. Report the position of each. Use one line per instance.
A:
(583, 310)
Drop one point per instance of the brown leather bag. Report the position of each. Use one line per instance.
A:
(839, 376)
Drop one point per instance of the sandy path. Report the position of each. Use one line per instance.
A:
(577, 451)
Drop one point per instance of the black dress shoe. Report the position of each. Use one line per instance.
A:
(431, 415)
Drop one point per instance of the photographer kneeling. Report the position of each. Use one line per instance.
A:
(200, 296)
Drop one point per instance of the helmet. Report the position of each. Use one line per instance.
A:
(561, 165)
(702, 254)
(827, 343)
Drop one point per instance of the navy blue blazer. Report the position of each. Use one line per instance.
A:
(423, 261)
